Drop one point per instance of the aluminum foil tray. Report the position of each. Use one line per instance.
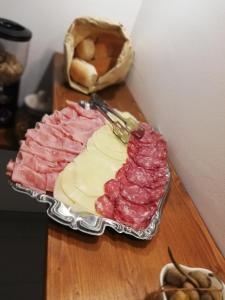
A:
(89, 223)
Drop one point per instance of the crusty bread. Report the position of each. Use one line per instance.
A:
(83, 72)
(112, 44)
(85, 49)
(103, 64)
(101, 50)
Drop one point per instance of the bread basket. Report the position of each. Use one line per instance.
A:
(103, 33)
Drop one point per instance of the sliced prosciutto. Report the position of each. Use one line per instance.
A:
(51, 145)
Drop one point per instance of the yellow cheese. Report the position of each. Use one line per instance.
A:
(83, 180)
(61, 196)
(107, 143)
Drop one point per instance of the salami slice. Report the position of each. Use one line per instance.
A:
(155, 194)
(134, 212)
(132, 149)
(105, 207)
(140, 225)
(112, 189)
(132, 197)
(135, 194)
(137, 175)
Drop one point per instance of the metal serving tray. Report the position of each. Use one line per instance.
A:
(89, 223)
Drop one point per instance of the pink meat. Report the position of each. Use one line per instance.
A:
(29, 178)
(105, 206)
(140, 182)
(58, 117)
(67, 114)
(112, 189)
(47, 139)
(136, 194)
(135, 224)
(82, 128)
(137, 175)
(150, 162)
(61, 135)
(132, 211)
(132, 149)
(38, 164)
(52, 144)
(90, 114)
(156, 193)
(10, 167)
(45, 153)
(50, 181)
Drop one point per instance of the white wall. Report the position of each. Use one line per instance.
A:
(49, 21)
(179, 81)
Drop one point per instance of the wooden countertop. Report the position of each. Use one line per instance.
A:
(115, 266)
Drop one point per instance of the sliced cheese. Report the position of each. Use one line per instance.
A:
(107, 143)
(61, 196)
(82, 181)
(88, 173)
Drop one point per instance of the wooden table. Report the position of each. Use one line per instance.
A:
(114, 266)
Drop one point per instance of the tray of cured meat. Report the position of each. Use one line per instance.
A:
(90, 180)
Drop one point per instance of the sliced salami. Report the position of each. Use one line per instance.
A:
(132, 149)
(137, 175)
(105, 207)
(139, 183)
(135, 194)
(137, 225)
(129, 210)
(112, 189)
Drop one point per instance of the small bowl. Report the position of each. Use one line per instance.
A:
(215, 281)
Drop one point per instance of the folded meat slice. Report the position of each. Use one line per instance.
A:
(51, 145)
(45, 153)
(58, 117)
(10, 167)
(47, 139)
(28, 177)
(38, 164)
(88, 113)
(80, 129)
(50, 181)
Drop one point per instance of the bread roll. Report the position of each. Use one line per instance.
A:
(113, 44)
(83, 72)
(85, 49)
(101, 50)
(103, 64)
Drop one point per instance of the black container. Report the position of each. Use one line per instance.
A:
(14, 46)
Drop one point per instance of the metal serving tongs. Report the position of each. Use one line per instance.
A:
(123, 126)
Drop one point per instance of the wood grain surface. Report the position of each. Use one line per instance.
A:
(115, 266)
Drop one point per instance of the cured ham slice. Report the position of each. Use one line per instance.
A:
(51, 145)
(47, 139)
(28, 177)
(48, 154)
(38, 164)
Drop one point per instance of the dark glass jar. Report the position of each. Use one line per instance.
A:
(14, 46)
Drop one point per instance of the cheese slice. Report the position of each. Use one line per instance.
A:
(107, 143)
(61, 196)
(88, 173)
(82, 181)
